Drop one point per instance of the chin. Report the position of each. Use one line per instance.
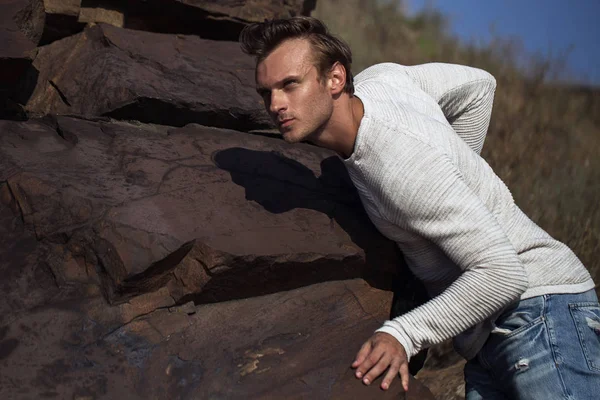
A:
(293, 137)
(289, 138)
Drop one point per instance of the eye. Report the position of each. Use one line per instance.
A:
(290, 83)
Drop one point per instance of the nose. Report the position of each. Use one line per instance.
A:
(277, 102)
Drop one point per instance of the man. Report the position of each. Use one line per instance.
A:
(519, 304)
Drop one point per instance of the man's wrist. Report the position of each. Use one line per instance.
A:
(400, 337)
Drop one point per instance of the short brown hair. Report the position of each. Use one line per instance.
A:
(259, 39)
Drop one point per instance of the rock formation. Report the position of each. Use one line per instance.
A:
(157, 239)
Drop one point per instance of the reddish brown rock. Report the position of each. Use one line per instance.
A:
(59, 337)
(156, 219)
(27, 281)
(15, 44)
(97, 13)
(218, 20)
(149, 77)
(306, 340)
(253, 10)
(115, 236)
(205, 212)
(16, 54)
(296, 344)
(44, 21)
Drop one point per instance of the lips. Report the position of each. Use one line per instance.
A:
(285, 122)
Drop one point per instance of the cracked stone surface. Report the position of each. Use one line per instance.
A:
(165, 79)
(208, 213)
(292, 345)
(139, 259)
(60, 338)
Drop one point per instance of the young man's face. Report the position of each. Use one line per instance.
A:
(288, 81)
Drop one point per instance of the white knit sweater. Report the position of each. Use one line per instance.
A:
(417, 169)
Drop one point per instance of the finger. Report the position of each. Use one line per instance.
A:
(362, 354)
(372, 359)
(390, 375)
(404, 375)
(377, 370)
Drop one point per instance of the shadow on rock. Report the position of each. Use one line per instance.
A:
(280, 184)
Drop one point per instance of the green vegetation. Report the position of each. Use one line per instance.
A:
(544, 137)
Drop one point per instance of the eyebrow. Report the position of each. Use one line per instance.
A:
(261, 89)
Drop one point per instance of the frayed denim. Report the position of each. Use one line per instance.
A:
(545, 347)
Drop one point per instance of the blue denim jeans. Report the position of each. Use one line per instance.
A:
(545, 347)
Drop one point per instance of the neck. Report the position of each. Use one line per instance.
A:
(339, 134)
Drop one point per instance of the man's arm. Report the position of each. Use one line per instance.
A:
(465, 95)
(432, 200)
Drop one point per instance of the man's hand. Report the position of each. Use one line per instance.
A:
(378, 353)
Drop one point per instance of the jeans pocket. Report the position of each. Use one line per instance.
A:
(517, 320)
(587, 321)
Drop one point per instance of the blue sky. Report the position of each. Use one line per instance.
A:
(545, 26)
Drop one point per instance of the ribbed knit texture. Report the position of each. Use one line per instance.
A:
(417, 168)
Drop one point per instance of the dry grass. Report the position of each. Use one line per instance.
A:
(544, 138)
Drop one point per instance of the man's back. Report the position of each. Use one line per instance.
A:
(425, 188)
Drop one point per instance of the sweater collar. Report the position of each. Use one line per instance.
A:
(363, 128)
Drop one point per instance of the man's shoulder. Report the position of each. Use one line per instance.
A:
(381, 72)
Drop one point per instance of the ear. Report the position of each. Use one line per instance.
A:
(337, 78)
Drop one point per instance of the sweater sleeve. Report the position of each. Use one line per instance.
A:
(465, 95)
(429, 197)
